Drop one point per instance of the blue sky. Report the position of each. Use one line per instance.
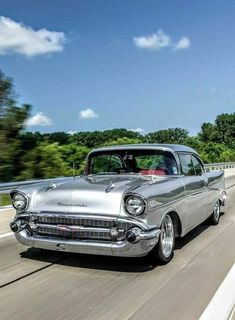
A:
(105, 64)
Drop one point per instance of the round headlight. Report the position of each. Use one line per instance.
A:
(19, 201)
(135, 205)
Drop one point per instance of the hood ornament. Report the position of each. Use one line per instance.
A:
(52, 185)
(110, 187)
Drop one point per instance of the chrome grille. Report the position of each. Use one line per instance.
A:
(75, 227)
(55, 232)
(85, 222)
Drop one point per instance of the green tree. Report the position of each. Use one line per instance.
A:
(52, 160)
(42, 162)
(216, 152)
(122, 141)
(225, 127)
(222, 131)
(171, 135)
(208, 132)
(60, 137)
(98, 138)
(12, 119)
(73, 154)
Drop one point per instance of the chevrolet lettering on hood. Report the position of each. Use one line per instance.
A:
(71, 204)
(131, 200)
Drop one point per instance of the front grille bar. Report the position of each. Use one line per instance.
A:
(68, 220)
(77, 227)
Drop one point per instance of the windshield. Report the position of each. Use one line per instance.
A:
(146, 162)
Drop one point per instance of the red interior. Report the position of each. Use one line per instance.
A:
(159, 172)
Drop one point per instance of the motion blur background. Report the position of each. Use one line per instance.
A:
(28, 155)
(82, 74)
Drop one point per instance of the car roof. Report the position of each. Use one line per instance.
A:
(159, 146)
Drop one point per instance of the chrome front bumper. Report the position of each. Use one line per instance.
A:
(146, 241)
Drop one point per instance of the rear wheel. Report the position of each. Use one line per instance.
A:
(164, 250)
(214, 219)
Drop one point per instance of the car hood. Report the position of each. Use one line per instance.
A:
(95, 194)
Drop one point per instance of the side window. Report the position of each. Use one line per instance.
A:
(186, 164)
(197, 166)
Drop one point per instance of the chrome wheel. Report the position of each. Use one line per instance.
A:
(167, 236)
(164, 250)
(214, 218)
(217, 210)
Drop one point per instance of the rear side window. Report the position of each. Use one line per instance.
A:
(186, 164)
(198, 168)
(190, 165)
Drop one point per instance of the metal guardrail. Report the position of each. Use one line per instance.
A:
(220, 166)
(5, 188)
(8, 186)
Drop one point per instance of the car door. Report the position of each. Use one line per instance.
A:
(195, 187)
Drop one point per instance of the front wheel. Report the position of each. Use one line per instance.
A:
(214, 219)
(164, 249)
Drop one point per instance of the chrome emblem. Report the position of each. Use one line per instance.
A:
(65, 227)
(72, 204)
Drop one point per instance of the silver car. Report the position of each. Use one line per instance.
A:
(131, 201)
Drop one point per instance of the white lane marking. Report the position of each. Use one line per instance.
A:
(4, 235)
(231, 317)
(223, 302)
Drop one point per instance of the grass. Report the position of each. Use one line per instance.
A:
(5, 200)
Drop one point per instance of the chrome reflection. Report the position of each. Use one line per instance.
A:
(167, 236)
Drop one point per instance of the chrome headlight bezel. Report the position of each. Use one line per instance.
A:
(134, 205)
(21, 198)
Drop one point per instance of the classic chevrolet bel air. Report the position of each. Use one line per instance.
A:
(131, 201)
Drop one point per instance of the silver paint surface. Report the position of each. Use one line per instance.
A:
(190, 198)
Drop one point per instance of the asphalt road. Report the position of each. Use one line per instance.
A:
(36, 284)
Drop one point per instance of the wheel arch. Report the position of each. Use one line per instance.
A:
(176, 222)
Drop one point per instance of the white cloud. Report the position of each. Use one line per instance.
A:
(87, 114)
(183, 43)
(155, 41)
(39, 119)
(160, 40)
(15, 37)
(139, 130)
